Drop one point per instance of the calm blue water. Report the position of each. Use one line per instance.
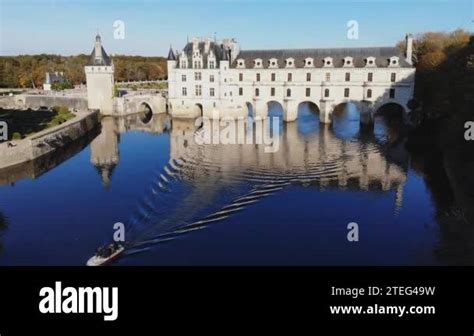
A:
(184, 204)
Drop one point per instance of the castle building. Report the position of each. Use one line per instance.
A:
(100, 79)
(219, 80)
(51, 78)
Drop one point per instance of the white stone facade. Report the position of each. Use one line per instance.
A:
(368, 77)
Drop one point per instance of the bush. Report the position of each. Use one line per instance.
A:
(17, 136)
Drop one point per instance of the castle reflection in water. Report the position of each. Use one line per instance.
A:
(319, 159)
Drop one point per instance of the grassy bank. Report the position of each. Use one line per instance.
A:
(24, 123)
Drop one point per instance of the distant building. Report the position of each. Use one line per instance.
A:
(100, 79)
(51, 78)
(219, 80)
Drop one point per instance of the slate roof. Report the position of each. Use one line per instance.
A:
(171, 55)
(54, 77)
(218, 49)
(359, 55)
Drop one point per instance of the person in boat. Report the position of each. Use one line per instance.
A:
(105, 252)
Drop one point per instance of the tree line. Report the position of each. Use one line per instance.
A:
(29, 71)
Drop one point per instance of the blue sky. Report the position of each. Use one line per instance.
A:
(69, 27)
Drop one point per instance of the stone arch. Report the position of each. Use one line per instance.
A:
(392, 113)
(308, 117)
(145, 112)
(250, 109)
(199, 110)
(274, 107)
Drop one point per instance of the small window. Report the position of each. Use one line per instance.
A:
(183, 64)
(370, 76)
(308, 92)
(290, 76)
(288, 92)
(272, 92)
(326, 93)
(348, 76)
(184, 91)
(393, 77)
(392, 93)
(258, 77)
(273, 77)
(241, 91)
(211, 92)
(211, 65)
(346, 93)
(257, 92)
(198, 90)
(308, 77)
(328, 76)
(197, 76)
(211, 78)
(241, 77)
(183, 78)
(369, 93)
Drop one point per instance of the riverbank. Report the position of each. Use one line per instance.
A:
(32, 147)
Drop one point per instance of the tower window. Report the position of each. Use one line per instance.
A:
(326, 93)
(393, 77)
(211, 78)
(290, 76)
(369, 93)
(211, 65)
(184, 91)
(183, 78)
(258, 77)
(328, 76)
(288, 92)
(272, 92)
(346, 92)
(241, 91)
(392, 93)
(257, 92)
(211, 92)
(308, 92)
(198, 90)
(348, 76)
(370, 76)
(308, 77)
(273, 77)
(197, 76)
(241, 77)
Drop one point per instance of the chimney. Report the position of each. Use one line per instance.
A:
(409, 49)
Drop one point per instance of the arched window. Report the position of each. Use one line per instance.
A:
(326, 93)
(288, 92)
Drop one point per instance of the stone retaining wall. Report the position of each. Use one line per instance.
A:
(48, 140)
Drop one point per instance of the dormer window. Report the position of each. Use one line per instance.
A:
(327, 62)
(258, 63)
(290, 62)
(348, 62)
(370, 61)
(273, 63)
(393, 61)
(308, 62)
(240, 63)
